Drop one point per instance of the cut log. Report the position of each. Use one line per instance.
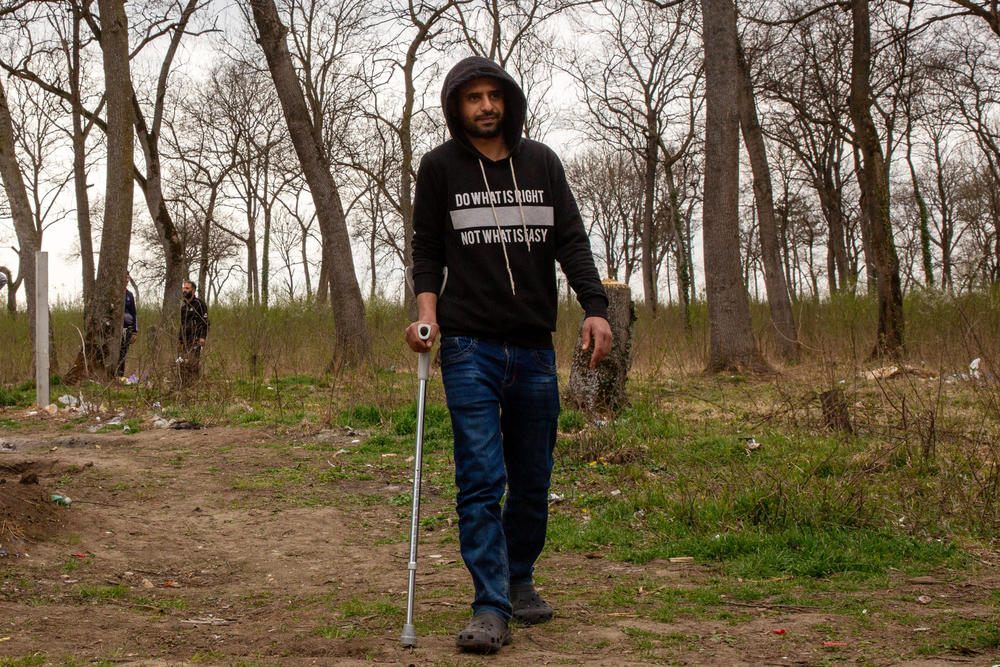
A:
(601, 390)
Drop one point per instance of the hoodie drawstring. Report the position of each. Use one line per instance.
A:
(520, 208)
(496, 219)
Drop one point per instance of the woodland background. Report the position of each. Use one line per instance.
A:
(781, 152)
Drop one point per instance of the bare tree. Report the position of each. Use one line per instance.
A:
(731, 340)
(642, 95)
(147, 127)
(874, 180)
(348, 307)
(420, 23)
(807, 74)
(304, 216)
(73, 44)
(104, 314)
(28, 237)
(778, 299)
(148, 130)
(609, 188)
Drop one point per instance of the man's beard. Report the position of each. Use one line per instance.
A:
(473, 130)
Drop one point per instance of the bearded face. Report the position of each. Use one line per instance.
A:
(481, 106)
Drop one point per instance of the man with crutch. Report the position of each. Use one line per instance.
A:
(496, 210)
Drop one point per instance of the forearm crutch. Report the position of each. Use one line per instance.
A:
(423, 373)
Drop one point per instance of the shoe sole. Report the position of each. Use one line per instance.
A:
(478, 645)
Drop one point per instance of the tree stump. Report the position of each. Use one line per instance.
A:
(835, 413)
(601, 390)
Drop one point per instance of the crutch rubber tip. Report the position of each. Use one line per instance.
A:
(409, 635)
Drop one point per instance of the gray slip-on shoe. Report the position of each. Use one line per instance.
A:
(485, 633)
(529, 607)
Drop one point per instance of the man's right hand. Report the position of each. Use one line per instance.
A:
(413, 340)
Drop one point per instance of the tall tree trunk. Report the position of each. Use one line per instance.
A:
(28, 238)
(151, 183)
(80, 131)
(874, 182)
(265, 259)
(103, 318)
(206, 235)
(778, 301)
(305, 265)
(648, 197)
(166, 231)
(945, 209)
(923, 217)
(347, 304)
(731, 341)
(680, 251)
(406, 169)
(831, 203)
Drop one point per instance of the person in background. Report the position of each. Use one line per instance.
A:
(130, 328)
(495, 208)
(193, 332)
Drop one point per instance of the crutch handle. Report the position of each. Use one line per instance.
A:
(424, 360)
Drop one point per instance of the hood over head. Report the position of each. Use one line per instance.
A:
(514, 101)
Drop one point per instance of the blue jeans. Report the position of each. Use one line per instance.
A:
(504, 405)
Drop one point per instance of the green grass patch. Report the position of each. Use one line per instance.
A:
(103, 593)
(363, 606)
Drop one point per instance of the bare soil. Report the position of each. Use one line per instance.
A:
(167, 555)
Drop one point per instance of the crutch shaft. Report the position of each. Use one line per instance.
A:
(409, 637)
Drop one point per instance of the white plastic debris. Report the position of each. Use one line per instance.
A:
(974, 368)
(68, 399)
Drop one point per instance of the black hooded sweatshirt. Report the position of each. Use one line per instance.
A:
(498, 227)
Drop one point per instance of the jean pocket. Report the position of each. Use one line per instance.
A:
(455, 349)
(545, 361)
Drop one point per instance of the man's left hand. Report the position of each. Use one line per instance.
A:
(596, 333)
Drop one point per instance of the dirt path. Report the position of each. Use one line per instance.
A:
(248, 547)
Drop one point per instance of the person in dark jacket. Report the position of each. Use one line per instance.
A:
(496, 210)
(193, 332)
(130, 328)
